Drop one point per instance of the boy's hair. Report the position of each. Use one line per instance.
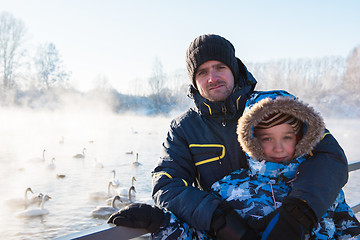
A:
(278, 118)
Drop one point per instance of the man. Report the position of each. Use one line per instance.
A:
(201, 147)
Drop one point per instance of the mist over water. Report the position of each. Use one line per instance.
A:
(108, 138)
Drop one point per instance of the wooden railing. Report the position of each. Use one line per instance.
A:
(110, 231)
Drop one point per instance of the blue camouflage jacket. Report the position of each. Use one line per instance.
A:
(258, 191)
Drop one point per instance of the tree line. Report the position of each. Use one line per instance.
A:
(332, 84)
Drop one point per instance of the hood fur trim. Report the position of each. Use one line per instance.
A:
(313, 130)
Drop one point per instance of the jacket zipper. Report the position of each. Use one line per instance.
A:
(224, 110)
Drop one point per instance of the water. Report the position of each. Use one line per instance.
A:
(106, 137)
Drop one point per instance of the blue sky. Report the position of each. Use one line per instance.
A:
(121, 39)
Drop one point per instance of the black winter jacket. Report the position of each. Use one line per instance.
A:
(201, 147)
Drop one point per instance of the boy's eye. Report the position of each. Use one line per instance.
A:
(266, 139)
(288, 137)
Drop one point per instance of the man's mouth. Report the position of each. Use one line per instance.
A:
(216, 86)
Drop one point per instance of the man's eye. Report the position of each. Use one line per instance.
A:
(201, 73)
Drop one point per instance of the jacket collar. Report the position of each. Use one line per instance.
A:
(230, 106)
(275, 170)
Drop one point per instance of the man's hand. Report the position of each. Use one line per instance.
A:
(138, 215)
(227, 224)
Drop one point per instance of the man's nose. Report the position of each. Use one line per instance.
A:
(212, 76)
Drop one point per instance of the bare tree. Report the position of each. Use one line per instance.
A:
(352, 74)
(49, 66)
(12, 36)
(102, 83)
(156, 81)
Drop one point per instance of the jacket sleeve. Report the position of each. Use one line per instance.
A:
(322, 176)
(173, 179)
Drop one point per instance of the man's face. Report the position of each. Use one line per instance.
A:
(214, 80)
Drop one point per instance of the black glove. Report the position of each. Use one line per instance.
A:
(290, 221)
(138, 215)
(227, 224)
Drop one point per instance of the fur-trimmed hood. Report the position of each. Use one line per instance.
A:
(261, 104)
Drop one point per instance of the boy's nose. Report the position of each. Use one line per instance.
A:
(278, 147)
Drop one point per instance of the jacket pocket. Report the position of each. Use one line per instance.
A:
(207, 153)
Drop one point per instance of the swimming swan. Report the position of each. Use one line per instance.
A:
(115, 182)
(20, 202)
(79, 155)
(106, 211)
(38, 159)
(51, 165)
(130, 198)
(102, 195)
(61, 141)
(35, 212)
(125, 190)
(97, 164)
(136, 163)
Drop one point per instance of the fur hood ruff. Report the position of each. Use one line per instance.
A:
(262, 104)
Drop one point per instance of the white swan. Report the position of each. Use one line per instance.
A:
(115, 182)
(35, 212)
(136, 163)
(20, 202)
(125, 190)
(37, 199)
(106, 211)
(97, 164)
(38, 159)
(102, 195)
(130, 198)
(79, 155)
(125, 200)
(51, 165)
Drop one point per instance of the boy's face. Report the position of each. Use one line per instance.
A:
(278, 142)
